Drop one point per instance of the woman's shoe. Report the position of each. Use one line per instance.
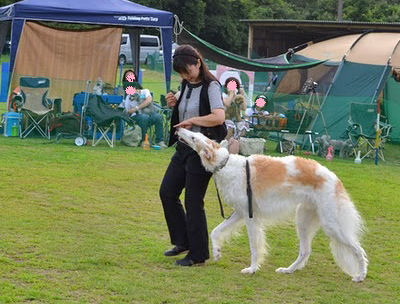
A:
(175, 251)
(187, 261)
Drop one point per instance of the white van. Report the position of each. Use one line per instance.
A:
(148, 45)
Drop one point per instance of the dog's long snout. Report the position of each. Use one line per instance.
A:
(177, 130)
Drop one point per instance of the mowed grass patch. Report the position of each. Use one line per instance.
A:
(85, 225)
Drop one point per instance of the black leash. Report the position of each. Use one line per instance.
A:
(221, 208)
(249, 194)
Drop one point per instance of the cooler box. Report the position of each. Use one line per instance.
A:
(11, 119)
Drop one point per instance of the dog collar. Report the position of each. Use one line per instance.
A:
(221, 165)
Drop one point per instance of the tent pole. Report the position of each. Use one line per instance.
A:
(134, 36)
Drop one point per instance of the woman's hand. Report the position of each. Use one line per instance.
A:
(171, 100)
(133, 110)
(187, 124)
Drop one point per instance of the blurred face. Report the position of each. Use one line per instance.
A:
(193, 73)
(130, 77)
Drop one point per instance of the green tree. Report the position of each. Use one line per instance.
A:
(216, 21)
(7, 2)
(191, 13)
(372, 11)
(270, 9)
(222, 27)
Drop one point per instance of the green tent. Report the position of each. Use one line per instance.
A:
(357, 70)
(348, 69)
(392, 107)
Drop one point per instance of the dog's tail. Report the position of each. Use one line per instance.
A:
(345, 239)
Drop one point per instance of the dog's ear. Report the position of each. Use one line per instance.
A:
(207, 152)
(213, 144)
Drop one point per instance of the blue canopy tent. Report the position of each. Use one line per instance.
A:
(100, 12)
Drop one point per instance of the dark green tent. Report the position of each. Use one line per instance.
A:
(357, 70)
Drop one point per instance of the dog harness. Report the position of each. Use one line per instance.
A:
(249, 191)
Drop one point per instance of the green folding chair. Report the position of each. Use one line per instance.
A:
(362, 130)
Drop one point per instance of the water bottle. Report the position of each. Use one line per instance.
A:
(146, 143)
(14, 129)
(357, 160)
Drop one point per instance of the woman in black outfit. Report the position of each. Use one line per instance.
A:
(199, 108)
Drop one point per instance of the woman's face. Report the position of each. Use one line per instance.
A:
(130, 77)
(193, 73)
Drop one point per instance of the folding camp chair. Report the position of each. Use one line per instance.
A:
(105, 119)
(363, 130)
(35, 105)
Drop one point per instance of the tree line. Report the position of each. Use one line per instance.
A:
(217, 21)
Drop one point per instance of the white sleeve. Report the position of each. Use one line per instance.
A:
(249, 112)
(146, 92)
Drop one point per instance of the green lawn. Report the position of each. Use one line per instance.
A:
(85, 225)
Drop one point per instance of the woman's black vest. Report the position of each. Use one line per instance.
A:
(217, 133)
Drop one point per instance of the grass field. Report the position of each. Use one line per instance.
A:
(85, 225)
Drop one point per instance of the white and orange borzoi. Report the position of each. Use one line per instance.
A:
(281, 185)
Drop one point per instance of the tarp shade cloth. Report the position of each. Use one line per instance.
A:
(392, 107)
(67, 58)
(221, 56)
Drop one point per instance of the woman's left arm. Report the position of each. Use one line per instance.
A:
(215, 118)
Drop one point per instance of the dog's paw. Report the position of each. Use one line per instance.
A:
(250, 270)
(358, 278)
(217, 253)
(284, 270)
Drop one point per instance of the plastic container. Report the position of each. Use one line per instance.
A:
(12, 123)
(146, 143)
(15, 129)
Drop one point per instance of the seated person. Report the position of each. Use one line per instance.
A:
(235, 103)
(259, 107)
(138, 103)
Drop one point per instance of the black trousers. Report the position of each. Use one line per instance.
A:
(189, 228)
